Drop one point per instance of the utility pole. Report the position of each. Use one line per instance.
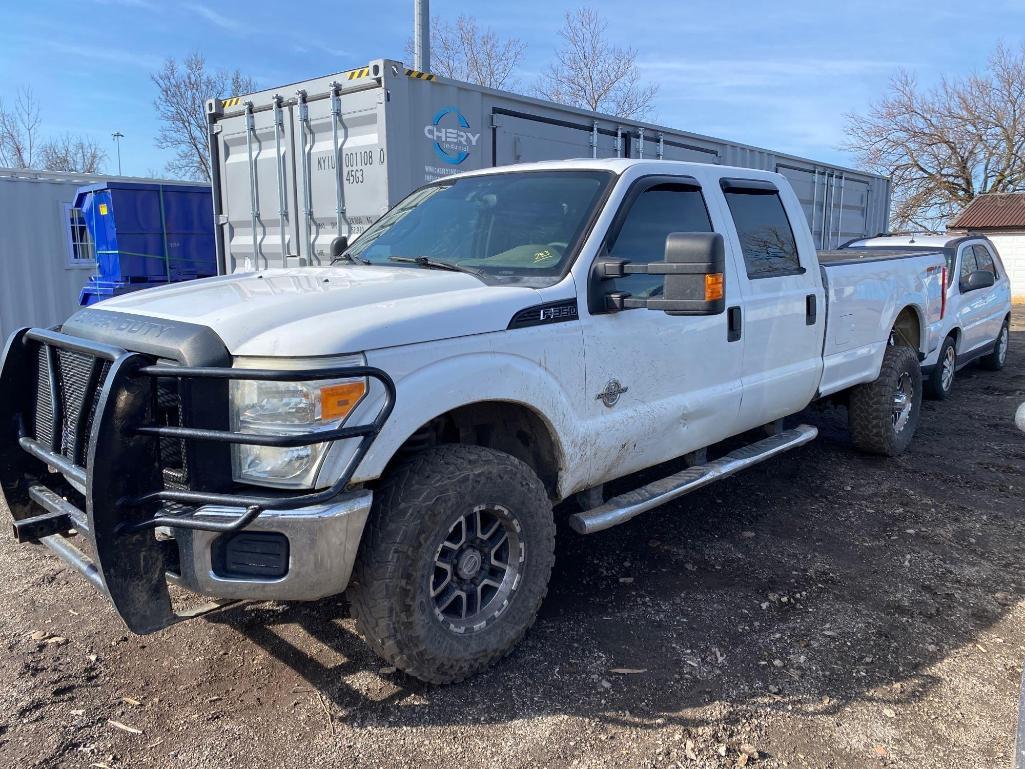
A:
(422, 35)
(117, 136)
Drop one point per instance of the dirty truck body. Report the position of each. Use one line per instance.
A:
(303, 163)
(401, 423)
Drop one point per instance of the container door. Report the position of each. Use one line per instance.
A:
(528, 139)
(256, 190)
(836, 205)
(338, 198)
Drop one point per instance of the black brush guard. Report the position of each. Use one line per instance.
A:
(126, 496)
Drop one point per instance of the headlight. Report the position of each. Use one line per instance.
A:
(289, 408)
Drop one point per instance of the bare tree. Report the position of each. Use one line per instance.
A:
(71, 153)
(182, 93)
(19, 131)
(590, 72)
(945, 145)
(465, 51)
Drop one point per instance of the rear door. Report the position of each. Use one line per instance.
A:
(782, 318)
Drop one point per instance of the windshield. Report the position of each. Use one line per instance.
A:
(521, 227)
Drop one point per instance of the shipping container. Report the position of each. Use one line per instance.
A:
(298, 165)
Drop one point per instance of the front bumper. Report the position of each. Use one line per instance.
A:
(322, 544)
(82, 471)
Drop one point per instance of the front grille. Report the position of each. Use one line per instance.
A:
(173, 451)
(77, 394)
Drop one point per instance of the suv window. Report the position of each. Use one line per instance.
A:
(766, 237)
(984, 260)
(654, 214)
(968, 263)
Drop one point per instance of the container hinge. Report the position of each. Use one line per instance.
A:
(496, 120)
(222, 218)
(216, 128)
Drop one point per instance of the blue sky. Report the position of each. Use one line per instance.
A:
(778, 74)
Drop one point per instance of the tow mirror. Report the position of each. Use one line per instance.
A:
(694, 276)
(978, 279)
(338, 246)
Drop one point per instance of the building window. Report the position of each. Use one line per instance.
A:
(81, 251)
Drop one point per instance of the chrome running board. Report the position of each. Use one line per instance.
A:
(631, 504)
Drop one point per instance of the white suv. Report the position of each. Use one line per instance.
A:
(977, 313)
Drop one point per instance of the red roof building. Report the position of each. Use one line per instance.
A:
(1001, 218)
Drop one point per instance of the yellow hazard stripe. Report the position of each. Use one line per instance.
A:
(419, 75)
(231, 102)
(356, 74)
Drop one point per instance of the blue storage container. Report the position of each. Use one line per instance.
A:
(146, 234)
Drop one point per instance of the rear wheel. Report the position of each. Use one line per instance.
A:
(996, 359)
(454, 563)
(883, 414)
(940, 382)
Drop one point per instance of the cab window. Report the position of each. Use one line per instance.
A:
(766, 237)
(654, 214)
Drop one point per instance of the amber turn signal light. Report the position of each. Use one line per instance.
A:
(337, 401)
(713, 287)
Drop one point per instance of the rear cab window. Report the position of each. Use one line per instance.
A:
(766, 237)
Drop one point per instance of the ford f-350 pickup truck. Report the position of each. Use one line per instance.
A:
(400, 424)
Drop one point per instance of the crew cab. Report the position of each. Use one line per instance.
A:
(399, 425)
(977, 318)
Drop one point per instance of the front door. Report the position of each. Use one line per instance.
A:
(673, 381)
(784, 314)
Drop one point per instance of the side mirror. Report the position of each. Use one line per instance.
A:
(694, 282)
(697, 285)
(338, 246)
(978, 279)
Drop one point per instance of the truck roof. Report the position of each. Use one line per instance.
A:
(619, 166)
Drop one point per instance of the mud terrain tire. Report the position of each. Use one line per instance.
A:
(883, 415)
(425, 543)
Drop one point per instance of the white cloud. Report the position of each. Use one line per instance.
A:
(111, 54)
(226, 23)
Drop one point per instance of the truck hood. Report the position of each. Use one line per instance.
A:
(310, 311)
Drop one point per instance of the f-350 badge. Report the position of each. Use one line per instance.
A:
(610, 395)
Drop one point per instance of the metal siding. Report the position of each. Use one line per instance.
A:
(1011, 248)
(37, 285)
(402, 116)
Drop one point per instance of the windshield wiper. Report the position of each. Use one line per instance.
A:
(436, 264)
(350, 258)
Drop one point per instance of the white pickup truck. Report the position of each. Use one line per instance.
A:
(401, 423)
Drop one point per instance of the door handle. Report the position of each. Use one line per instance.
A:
(810, 310)
(734, 322)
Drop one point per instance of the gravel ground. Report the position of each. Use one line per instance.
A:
(826, 609)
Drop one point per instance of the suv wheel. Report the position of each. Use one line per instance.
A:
(941, 381)
(996, 359)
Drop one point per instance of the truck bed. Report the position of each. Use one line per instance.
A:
(836, 257)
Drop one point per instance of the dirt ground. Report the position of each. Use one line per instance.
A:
(826, 609)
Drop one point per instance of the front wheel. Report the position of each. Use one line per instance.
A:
(454, 563)
(883, 414)
(996, 359)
